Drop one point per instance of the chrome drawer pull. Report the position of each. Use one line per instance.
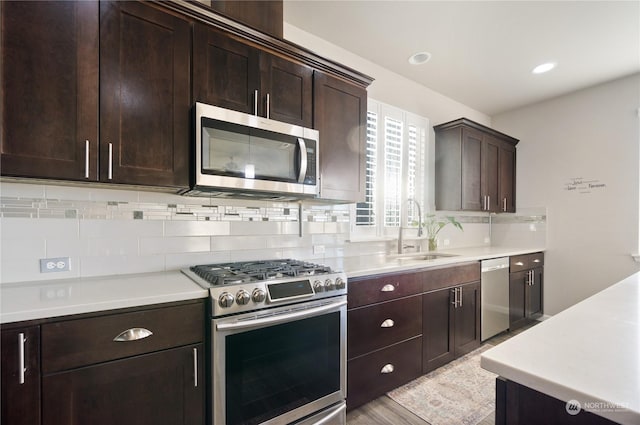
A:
(133, 334)
(195, 367)
(537, 260)
(388, 288)
(389, 323)
(519, 263)
(388, 368)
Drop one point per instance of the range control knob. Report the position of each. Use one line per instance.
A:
(318, 286)
(225, 300)
(329, 284)
(242, 297)
(258, 295)
(340, 284)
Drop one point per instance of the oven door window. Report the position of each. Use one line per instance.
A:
(272, 370)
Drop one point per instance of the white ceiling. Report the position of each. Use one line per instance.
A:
(483, 51)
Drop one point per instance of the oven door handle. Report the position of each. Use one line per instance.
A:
(332, 415)
(286, 317)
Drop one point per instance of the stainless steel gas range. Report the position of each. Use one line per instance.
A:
(278, 342)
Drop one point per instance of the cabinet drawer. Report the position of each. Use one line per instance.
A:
(451, 276)
(525, 262)
(81, 342)
(366, 380)
(376, 326)
(363, 291)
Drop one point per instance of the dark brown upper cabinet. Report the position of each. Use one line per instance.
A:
(234, 74)
(50, 89)
(144, 95)
(60, 86)
(263, 15)
(340, 115)
(475, 168)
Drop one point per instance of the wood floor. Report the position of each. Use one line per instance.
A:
(385, 411)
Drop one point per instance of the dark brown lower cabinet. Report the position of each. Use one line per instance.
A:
(520, 405)
(164, 387)
(370, 376)
(525, 297)
(20, 391)
(451, 324)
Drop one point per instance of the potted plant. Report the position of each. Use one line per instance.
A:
(433, 225)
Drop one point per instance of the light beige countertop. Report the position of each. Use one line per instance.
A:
(377, 264)
(589, 352)
(53, 298)
(43, 299)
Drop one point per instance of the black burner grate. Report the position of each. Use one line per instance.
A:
(255, 271)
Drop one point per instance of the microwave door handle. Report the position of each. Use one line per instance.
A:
(303, 159)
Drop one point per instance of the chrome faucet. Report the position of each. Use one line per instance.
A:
(401, 245)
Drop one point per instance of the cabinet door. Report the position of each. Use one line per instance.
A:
(517, 286)
(437, 324)
(340, 115)
(472, 195)
(290, 89)
(226, 72)
(491, 173)
(467, 319)
(20, 397)
(49, 89)
(144, 95)
(533, 307)
(160, 388)
(507, 183)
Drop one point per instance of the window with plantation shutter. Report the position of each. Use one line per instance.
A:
(396, 170)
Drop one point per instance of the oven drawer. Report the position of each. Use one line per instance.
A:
(74, 343)
(370, 376)
(372, 290)
(376, 326)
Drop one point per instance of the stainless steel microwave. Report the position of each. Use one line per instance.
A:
(242, 155)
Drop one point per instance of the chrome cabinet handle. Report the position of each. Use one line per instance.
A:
(389, 323)
(455, 297)
(255, 102)
(21, 361)
(86, 159)
(488, 202)
(388, 288)
(460, 297)
(303, 159)
(388, 368)
(537, 260)
(504, 204)
(110, 172)
(133, 334)
(268, 106)
(519, 263)
(195, 367)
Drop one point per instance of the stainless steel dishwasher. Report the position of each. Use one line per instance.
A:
(494, 294)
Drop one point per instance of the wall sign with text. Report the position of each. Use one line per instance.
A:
(583, 186)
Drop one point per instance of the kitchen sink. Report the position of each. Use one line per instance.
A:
(420, 256)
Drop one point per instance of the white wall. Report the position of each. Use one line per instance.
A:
(591, 134)
(395, 90)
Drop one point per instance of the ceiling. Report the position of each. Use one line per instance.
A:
(483, 51)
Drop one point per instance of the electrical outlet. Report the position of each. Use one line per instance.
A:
(51, 293)
(318, 249)
(58, 264)
(446, 242)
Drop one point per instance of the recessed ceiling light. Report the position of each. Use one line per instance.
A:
(542, 68)
(419, 58)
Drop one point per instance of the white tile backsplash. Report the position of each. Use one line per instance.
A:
(113, 231)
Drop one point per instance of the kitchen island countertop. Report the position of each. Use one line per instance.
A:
(589, 353)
